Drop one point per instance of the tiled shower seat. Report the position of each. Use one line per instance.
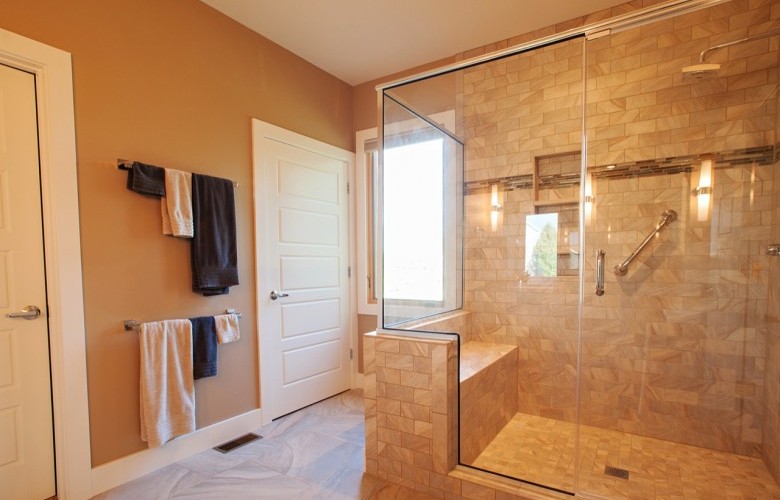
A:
(488, 394)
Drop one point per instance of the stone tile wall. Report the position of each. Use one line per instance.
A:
(411, 410)
(772, 388)
(411, 421)
(488, 395)
(676, 348)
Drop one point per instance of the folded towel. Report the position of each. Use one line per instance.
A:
(214, 256)
(177, 203)
(204, 347)
(227, 328)
(146, 179)
(167, 387)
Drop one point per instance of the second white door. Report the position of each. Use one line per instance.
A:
(303, 275)
(26, 436)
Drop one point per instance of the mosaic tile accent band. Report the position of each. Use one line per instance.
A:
(763, 155)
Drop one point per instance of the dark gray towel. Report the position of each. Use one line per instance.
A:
(146, 179)
(214, 257)
(204, 347)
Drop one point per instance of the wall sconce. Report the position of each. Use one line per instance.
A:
(495, 207)
(589, 198)
(703, 192)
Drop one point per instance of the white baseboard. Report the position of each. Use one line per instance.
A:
(120, 471)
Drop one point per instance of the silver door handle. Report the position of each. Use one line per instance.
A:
(275, 295)
(27, 312)
(600, 272)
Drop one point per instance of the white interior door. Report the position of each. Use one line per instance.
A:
(303, 234)
(26, 437)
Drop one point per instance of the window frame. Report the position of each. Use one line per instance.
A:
(367, 223)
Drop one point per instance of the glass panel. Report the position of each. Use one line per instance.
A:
(674, 353)
(522, 122)
(422, 217)
(666, 385)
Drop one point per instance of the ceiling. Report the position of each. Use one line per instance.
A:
(362, 40)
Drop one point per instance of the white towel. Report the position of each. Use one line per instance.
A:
(227, 328)
(166, 220)
(167, 384)
(176, 205)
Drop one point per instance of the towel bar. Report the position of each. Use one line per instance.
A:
(132, 324)
(128, 164)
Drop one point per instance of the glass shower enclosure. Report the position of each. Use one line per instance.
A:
(603, 209)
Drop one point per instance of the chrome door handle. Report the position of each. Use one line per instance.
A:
(275, 295)
(600, 272)
(27, 312)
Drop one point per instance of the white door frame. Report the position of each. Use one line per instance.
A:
(59, 195)
(260, 128)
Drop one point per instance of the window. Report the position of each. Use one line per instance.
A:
(420, 252)
(413, 215)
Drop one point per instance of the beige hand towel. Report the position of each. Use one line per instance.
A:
(166, 220)
(227, 328)
(176, 205)
(167, 384)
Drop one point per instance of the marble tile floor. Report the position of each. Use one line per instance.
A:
(542, 450)
(315, 453)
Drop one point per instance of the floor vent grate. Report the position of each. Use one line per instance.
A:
(616, 472)
(237, 443)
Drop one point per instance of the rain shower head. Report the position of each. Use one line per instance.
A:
(703, 70)
(699, 72)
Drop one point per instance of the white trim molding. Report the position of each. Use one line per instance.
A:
(122, 470)
(361, 221)
(59, 195)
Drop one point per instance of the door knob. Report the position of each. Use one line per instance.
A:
(275, 295)
(27, 312)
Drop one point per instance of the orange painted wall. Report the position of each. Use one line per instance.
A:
(173, 83)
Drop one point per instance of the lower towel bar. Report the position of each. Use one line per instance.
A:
(132, 324)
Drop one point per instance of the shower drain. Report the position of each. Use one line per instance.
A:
(616, 472)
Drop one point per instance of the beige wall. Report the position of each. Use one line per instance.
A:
(175, 84)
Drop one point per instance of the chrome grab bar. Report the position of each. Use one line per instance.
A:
(667, 217)
(600, 272)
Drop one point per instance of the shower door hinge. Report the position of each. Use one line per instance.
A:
(349, 271)
(347, 187)
(597, 34)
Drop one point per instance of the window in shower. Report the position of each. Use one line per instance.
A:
(552, 242)
(414, 209)
(421, 217)
(541, 238)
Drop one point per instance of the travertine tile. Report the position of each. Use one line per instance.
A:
(545, 451)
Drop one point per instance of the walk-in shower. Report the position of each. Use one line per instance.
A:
(602, 224)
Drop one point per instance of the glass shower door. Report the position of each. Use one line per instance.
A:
(522, 121)
(679, 198)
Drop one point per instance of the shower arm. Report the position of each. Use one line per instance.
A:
(705, 52)
(667, 217)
